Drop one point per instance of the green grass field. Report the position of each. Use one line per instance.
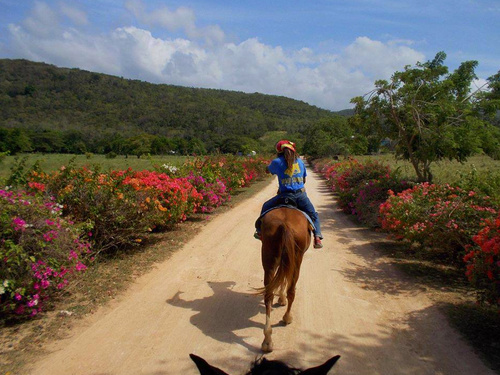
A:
(445, 171)
(52, 162)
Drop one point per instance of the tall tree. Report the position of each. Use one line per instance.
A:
(427, 111)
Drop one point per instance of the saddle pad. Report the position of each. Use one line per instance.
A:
(311, 225)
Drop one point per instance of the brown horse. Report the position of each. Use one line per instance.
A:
(286, 236)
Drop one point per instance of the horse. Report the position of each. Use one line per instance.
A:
(286, 236)
(263, 366)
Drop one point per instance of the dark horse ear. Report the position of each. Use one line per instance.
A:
(205, 368)
(322, 369)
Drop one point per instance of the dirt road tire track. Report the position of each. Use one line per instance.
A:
(349, 302)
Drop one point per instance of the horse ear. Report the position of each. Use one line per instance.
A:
(322, 369)
(205, 368)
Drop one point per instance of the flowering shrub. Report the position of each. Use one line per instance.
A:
(118, 208)
(39, 251)
(215, 177)
(234, 172)
(483, 261)
(373, 193)
(173, 199)
(112, 212)
(440, 218)
(361, 187)
(213, 194)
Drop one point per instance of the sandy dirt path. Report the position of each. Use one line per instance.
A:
(349, 302)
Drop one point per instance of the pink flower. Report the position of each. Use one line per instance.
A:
(19, 310)
(50, 235)
(80, 266)
(19, 224)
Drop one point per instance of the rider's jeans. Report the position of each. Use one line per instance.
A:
(303, 204)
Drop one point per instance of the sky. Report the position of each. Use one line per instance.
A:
(323, 52)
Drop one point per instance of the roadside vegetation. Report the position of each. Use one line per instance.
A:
(445, 234)
(56, 224)
(435, 191)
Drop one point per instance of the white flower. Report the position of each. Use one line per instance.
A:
(4, 285)
(170, 168)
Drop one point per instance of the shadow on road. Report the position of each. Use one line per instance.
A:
(223, 313)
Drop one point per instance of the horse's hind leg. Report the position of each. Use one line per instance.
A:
(267, 344)
(290, 295)
(282, 296)
(287, 318)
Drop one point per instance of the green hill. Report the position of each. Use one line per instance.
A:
(72, 110)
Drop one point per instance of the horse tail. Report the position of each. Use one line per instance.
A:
(286, 262)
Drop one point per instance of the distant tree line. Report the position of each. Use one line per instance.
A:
(422, 114)
(50, 109)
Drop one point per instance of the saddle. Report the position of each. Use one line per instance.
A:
(287, 203)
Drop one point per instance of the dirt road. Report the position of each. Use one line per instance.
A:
(349, 302)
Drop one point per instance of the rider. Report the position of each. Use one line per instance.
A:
(291, 173)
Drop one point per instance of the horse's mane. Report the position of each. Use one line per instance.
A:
(263, 366)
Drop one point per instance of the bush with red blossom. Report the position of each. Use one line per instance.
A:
(361, 187)
(441, 219)
(483, 262)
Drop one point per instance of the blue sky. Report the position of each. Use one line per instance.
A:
(322, 52)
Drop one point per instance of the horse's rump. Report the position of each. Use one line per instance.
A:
(285, 238)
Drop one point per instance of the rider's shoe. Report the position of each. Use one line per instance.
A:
(257, 236)
(317, 243)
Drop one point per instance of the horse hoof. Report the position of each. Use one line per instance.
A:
(267, 347)
(287, 318)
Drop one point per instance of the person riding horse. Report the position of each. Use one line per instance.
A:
(291, 172)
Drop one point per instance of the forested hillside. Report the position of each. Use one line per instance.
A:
(50, 109)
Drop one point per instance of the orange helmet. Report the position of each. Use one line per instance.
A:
(281, 145)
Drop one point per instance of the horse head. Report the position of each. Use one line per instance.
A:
(266, 367)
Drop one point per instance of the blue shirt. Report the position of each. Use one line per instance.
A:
(288, 179)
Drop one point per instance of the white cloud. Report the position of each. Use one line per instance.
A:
(378, 59)
(325, 80)
(77, 16)
(42, 21)
(182, 18)
(479, 84)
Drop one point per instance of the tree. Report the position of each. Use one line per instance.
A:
(426, 111)
(140, 144)
(488, 104)
(47, 141)
(14, 141)
(328, 137)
